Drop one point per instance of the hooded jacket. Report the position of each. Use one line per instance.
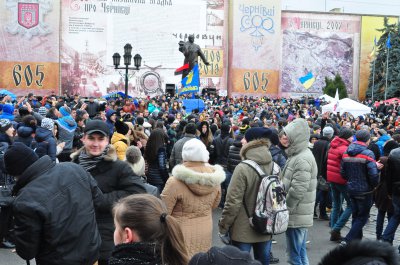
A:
(359, 169)
(190, 195)
(120, 143)
(110, 124)
(381, 142)
(66, 131)
(244, 184)
(46, 143)
(300, 175)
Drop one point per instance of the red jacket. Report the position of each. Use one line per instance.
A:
(335, 155)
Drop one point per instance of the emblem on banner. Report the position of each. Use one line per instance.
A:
(28, 17)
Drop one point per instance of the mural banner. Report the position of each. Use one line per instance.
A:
(92, 31)
(255, 46)
(369, 31)
(316, 46)
(29, 46)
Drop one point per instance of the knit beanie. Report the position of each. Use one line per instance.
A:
(345, 133)
(42, 111)
(363, 136)
(225, 255)
(18, 158)
(244, 128)
(257, 133)
(328, 132)
(5, 124)
(65, 111)
(195, 151)
(135, 159)
(121, 127)
(47, 123)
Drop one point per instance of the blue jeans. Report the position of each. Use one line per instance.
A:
(322, 199)
(388, 234)
(380, 220)
(360, 205)
(296, 246)
(339, 192)
(261, 250)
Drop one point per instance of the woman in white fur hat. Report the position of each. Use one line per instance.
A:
(191, 193)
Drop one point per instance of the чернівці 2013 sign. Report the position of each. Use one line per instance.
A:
(28, 17)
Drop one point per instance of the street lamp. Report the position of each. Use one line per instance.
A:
(137, 60)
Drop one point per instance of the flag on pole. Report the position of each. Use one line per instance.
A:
(180, 69)
(388, 45)
(308, 80)
(191, 83)
(336, 105)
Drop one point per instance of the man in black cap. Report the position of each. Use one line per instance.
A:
(116, 178)
(360, 170)
(55, 221)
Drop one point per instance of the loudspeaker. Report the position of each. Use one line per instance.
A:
(170, 89)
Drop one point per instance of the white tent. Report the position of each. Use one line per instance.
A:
(327, 98)
(347, 105)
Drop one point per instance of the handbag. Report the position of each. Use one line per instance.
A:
(6, 197)
(322, 184)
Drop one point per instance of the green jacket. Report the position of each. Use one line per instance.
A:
(300, 175)
(244, 183)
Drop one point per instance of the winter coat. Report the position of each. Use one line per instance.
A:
(359, 169)
(234, 155)
(392, 172)
(109, 123)
(381, 142)
(335, 154)
(66, 131)
(120, 143)
(320, 152)
(92, 109)
(244, 184)
(382, 200)
(300, 175)
(138, 253)
(221, 149)
(157, 172)
(55, 222)
(278, 156)
(190, 195)
(176, 154)
(116, 180)
(45, 143)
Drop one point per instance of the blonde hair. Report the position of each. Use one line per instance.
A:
(146, 214)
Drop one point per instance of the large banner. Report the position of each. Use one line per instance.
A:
(369, 32)
(316, 46)
(254, 46)
(29, 46)
(92, 31)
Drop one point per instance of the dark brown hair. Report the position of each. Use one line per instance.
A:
(142, 212)
(156, 140)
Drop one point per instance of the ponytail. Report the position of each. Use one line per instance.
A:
(173, 249)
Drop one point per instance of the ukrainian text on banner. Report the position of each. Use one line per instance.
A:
(29, 46)
(316, 46)
(369, 31)
(94, 30)
(255, 46)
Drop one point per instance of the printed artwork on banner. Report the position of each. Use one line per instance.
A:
(316, 46)
(28, 17)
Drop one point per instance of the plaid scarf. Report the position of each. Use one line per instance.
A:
(88, 161)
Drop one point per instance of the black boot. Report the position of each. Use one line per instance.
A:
(273, 260)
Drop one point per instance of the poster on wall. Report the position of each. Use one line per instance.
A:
(316, 46)
(254, 47)
(92, 31)
(369, 31)
(29, 46)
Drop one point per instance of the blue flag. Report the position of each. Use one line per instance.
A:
(191, 83)
(388, 45)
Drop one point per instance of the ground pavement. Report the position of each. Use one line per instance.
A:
(318, 235)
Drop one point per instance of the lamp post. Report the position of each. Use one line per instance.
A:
(137, 61)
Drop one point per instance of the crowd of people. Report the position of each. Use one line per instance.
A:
(134, 181)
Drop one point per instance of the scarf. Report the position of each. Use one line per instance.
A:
(89, 162)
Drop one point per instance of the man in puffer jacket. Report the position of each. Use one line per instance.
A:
(360, 170)
(338, 147)
(300, 180)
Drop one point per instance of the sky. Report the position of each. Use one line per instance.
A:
(368, 7)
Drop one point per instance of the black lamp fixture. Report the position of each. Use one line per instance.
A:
(137, 61)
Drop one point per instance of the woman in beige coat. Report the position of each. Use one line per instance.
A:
(191, 194)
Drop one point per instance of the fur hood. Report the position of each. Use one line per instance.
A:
(258, 151)
(110, 156)
(199, 173)
(361, 253)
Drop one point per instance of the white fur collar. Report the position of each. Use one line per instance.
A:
(190, 176)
